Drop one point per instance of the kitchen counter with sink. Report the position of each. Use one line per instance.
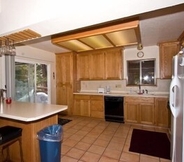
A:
(165, 95)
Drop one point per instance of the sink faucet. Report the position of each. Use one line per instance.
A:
(139, 88)
(140, 91)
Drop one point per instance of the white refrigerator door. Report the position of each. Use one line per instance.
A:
(176, 105)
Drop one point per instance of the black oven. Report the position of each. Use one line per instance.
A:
(114, 110)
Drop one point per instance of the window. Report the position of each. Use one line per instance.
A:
(31, 82)
(141, 72)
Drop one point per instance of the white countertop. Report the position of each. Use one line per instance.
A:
(27, 112)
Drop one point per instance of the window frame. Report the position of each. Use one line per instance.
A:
(140, 72)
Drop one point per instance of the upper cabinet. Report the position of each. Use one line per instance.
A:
(100, 64)
(113, 64)
(167, 51)
(97, 65)
(64, 65)
(83, 66)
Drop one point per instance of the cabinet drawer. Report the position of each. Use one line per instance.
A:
(97, 97)
(82, 97)
(140, 99)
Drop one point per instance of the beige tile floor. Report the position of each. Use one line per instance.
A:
(95, 140)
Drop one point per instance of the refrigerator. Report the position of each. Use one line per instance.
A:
(176, 101)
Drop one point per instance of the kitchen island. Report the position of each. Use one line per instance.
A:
(31, 117)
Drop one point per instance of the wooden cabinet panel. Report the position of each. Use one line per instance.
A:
(100, 64)
(83, 63)
(64, 64)
(139, 110)
(147, 113)
(97, 106)
(113, 64)
(64, 80)
(131, 112)
(81, 105)
(97, 65)
(85, 105)
(167, 51)
(162, 113)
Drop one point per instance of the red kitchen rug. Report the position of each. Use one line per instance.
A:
(150, 143)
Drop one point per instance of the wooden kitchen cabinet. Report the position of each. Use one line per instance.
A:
(83, 66)
(113, 64)
(81, 105)
(65, 68)
(167, 51)
(97, 65)
(162, 112)
(101, 64)
(97, 106)
(139, 110)
(131, 111)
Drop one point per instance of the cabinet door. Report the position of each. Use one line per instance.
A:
(113, 64)
(64, 96)
(81, 105)
(97, 107)
(162, 113)
(146, 113)
(167, 51)
(85, 107)
(97, 65)
(64, 80)
(76, 107)
(83, 62)
(64, 65)
(131, 112)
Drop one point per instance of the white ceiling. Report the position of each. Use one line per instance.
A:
(156, 26)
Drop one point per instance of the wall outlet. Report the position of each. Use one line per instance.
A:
(118, 85)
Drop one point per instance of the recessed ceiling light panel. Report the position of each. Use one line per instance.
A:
(121, 38)
(75, 45)
(97, 42)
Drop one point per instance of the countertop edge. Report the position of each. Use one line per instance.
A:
(123, 94)
(8, 112)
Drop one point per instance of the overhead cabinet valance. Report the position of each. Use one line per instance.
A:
(122, 34)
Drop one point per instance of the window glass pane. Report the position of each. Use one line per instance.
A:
(24, 82)
(31, 82)
(133, 72)
(41, 83)
(148, 71)
(141, 72)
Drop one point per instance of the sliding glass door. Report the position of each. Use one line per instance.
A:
(31, 82)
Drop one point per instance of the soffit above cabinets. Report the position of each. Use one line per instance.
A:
(21, 36)
(119, 35)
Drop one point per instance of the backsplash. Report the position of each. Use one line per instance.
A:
(119, 86)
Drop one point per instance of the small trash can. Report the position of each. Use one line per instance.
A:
(50, 143)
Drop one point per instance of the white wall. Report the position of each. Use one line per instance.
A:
(30, 54)
(49, 17)
(149, 52)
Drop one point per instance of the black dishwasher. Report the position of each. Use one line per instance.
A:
(114, 110)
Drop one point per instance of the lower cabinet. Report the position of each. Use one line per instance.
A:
(162, 112)
(139, 110)
(88, 105)
(81, 105)
(97, 106)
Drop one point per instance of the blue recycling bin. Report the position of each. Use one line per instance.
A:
(50, 143)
